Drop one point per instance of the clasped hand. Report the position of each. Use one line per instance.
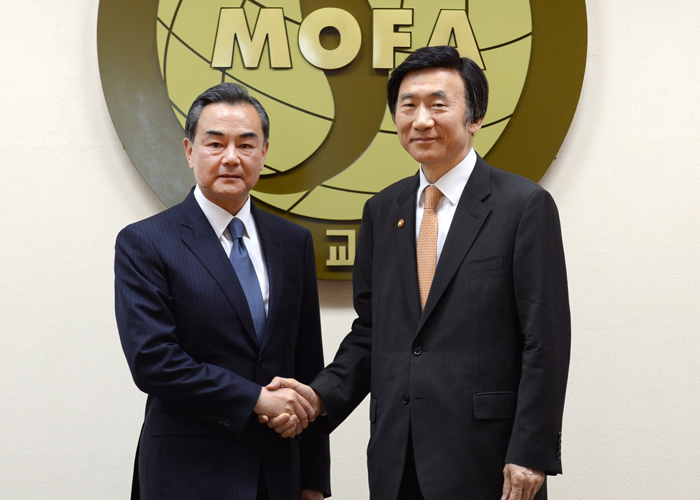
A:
(288, 406)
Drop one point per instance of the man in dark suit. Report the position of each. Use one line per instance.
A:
(214, 297)
(463, 329)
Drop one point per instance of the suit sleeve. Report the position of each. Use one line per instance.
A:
(540, 284)
(308, 362)
(148, 331)
(346, 381)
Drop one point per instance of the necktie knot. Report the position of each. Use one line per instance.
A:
(432, 196)
(236, 228)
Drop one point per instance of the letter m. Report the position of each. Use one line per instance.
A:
(233, 27)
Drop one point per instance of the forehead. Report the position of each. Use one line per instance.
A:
(432, 80)
(229, 118)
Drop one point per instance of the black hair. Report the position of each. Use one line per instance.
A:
(475, 84)
(230, 93)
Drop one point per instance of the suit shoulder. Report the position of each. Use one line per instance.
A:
(504, 178)
(397, 187)
(280, 225)
(389, 194)
(515, 186)
(157, 224)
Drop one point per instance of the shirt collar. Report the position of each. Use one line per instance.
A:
(220, 218)
(452, 183)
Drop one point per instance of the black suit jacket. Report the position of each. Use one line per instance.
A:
(480, 375)
(190, 342)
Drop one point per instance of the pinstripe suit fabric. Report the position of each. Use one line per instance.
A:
(189, 339)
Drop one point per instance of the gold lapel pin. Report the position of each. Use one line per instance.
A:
(401, 222)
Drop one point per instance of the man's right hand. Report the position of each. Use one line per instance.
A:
(285, 424)
(287, 403)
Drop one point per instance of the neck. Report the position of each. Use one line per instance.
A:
(231, 205)
(433, 171)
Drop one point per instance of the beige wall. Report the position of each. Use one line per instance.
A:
(626, 180)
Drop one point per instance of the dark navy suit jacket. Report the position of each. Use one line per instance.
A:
(191, 346)
(479, 376)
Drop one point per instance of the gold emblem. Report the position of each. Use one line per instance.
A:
(333, 141)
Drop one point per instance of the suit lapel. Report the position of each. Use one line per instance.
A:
(198, 235)
(469, 218)
(273, 261)
(405, 238)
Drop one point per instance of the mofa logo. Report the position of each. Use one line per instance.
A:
(320, 70)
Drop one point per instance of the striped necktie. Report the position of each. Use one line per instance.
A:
(246, 275)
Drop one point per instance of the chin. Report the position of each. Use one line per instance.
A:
(425, 159)
(231, 193)
(426, 152)
(230, 187)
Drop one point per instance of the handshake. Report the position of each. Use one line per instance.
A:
(287, 406)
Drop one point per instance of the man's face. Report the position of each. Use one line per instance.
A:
(228, 153)
(430, 119)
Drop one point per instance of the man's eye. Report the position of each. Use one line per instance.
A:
(214, 144)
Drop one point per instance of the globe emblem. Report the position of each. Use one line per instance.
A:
(333, 143)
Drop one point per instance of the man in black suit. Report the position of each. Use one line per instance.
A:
(214, 297)
(462, 334)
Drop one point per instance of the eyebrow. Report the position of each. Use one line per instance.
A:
(214, 132)
(437, 93)
(244, 135)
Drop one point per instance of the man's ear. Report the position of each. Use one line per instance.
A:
(474, 127)
(188, 150)
(264, 155)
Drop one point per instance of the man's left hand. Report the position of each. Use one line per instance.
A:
(521, 483)
(311, 495)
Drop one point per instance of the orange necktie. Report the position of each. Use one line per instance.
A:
(427, 243)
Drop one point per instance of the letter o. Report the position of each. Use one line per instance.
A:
(310, 38)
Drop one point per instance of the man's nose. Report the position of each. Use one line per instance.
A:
(230, 156)
(423, 118)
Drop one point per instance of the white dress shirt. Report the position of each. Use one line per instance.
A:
(220, 219)
(451, 186)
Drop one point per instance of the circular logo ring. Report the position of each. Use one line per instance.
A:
(140, 107)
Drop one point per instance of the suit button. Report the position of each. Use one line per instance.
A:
(221, 420)
(260, 362)
(214, 417)
(405, 399)
(417, 351)
(227, 422)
